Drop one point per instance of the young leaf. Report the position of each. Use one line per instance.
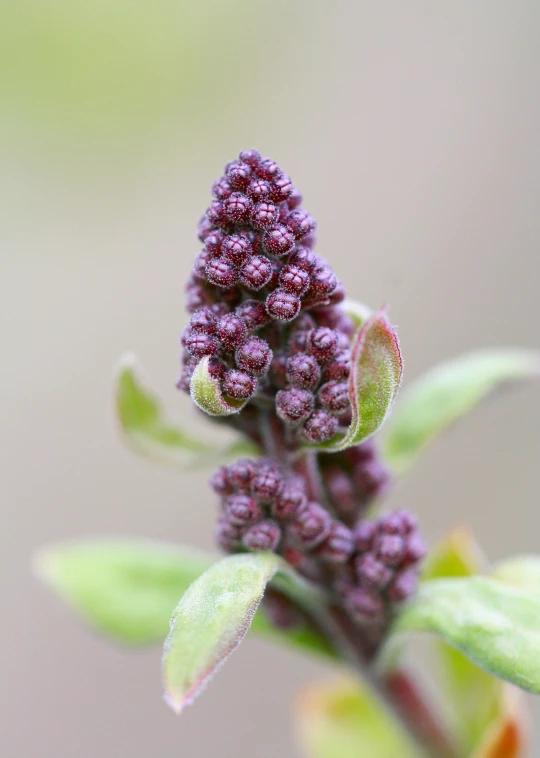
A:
(376, 369)
(445, 394)
(206, 393)
(148, 433)
(506, 736)
(494, 624)
(344, 720)
(522, 572)
(214, 615)
(128, 589)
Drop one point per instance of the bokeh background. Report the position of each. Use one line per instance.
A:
(412, 130)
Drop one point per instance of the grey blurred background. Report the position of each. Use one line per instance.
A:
(413, 131)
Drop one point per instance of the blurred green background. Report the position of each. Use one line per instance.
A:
(412, 131)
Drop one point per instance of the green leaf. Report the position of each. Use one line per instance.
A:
(344, 720)
(148, 433)
(206, 393)
(128, 589)
(476, 698)
(496, 625)
(376, 369)
(125, 589)
(445, 394)
(522, 572)
(214, 615)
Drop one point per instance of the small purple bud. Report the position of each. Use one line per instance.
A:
(311, 527)
(389, 548)
(364, 532)
(294, 280)
(215, 213)
(404, 585)
(201, 345)
(341, 492)
(265, 535)
(259, 190)
(251, 157)
(338, 546)
(221, 272)
(303, 371)
(415, 548)
(256, 272)
(364, 605)
(268, 169)
(240, 474)
(238, 175)
(304, 258)
(320, 427)
(213, 243)
(371, 480)
(294, 200)
(254, 356)
(323, 282)
(334, 397)
(236, 208)
(231, 331)
(199, 266)
(228, 535)
(289, 503)
(264, 215)
(220, 483)
(323, 344)
(221, 189)
(282, 188)
(300, 223)
(294, 404)
(298, 341)
(278, 240)
(253, 314)
(236, 248)
(372, 572)
(239, 384)
(267, 484)
(282, 306)
(197, 296)
(338, 369)
(203, 320)
(241, 509)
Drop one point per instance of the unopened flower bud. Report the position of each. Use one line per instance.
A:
(282, 306)
(294, 404)
(231, 331)
(338, 546)
(320, 427)
(303, 371)
(323, 344)
(289, 503)
(312, 526)
(254, 356)
(239, 384)
(265, 535)
(267, 484)
(241, 509)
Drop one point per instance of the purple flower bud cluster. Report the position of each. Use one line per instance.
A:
(262, 301)
(367, 567)
(353, 479)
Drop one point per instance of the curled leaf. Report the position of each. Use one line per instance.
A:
(445, 394)
(206, 393)
(214, 615)
(376, 368)
(148, 433)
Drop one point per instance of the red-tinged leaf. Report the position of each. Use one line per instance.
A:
(214, 615)
(376, 369)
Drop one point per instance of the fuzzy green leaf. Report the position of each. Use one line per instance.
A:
(148, 433)
(496, 625)
(214, 615)
(128, 589)
(206, 393)
(376, 369)
(445, 394)
(344, 720)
